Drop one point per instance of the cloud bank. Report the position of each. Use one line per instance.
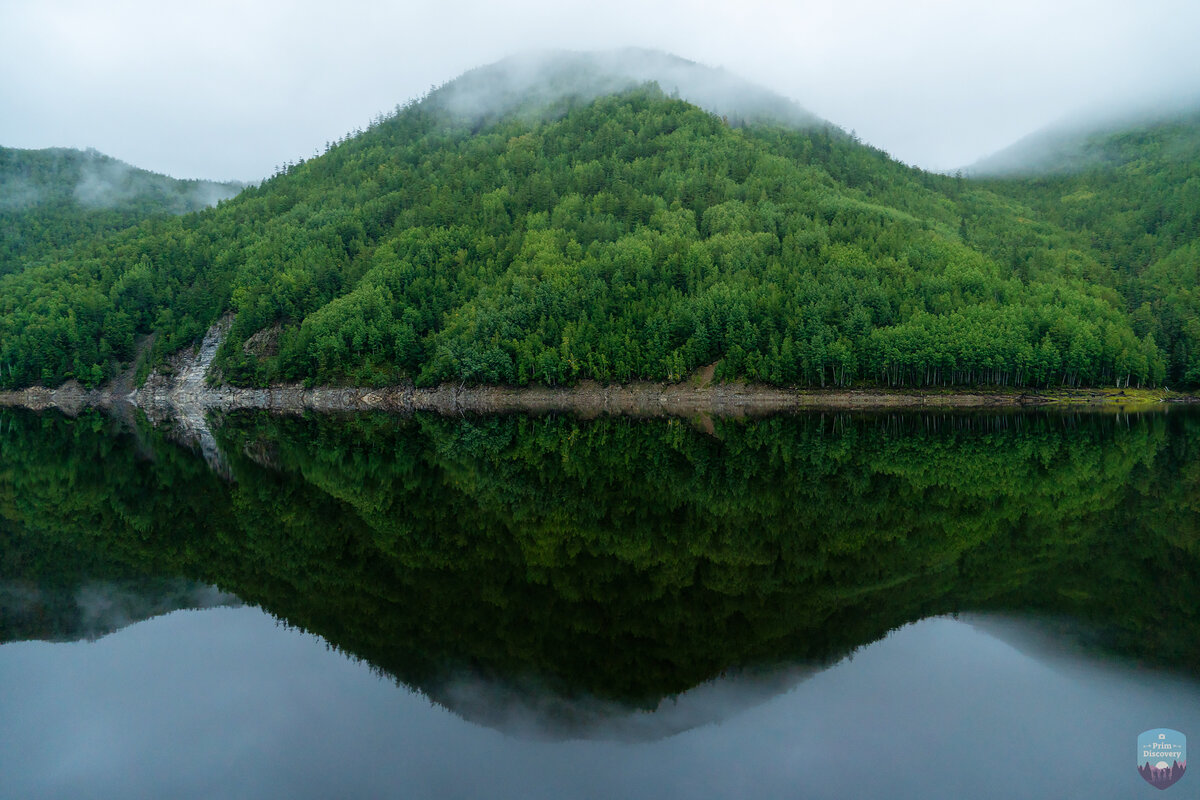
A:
(229, 90)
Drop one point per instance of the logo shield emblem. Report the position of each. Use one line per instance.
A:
(1162, 757)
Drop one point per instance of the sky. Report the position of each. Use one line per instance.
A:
(229, 89)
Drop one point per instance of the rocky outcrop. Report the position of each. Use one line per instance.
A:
(70, 398)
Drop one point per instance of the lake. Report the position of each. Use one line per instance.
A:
(825, 605)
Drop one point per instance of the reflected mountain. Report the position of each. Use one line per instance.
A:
(560, 577)
(92, 609)
(532, 709)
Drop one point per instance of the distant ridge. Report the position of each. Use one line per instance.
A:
(1077, 145)
(93, 180)
(57, 197)
(629, 216)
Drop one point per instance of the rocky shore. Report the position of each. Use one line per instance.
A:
(181, 391)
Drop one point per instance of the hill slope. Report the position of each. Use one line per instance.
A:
(52, 198)
(1133, 194)
(562, 234)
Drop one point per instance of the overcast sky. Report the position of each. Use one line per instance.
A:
(229, 88)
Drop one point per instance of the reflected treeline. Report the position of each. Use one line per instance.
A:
(629, 560)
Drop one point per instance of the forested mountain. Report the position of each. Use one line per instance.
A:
(560, 219)
(53, 198)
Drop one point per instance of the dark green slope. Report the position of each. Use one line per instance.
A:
(581, 235)
(53, 198)
(1132, 194)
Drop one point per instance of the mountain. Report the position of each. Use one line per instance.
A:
(53, 198)
(1097, 141)
(554, 219)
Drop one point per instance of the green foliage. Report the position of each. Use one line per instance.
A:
(1132, 198)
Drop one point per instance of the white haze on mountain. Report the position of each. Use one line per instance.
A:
(543, 77)
(1072, 143)
(99, 182)
(107, 183)
(18, 193)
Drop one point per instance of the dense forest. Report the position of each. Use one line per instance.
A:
(546, 233)
(1132, 193)
(619, 559)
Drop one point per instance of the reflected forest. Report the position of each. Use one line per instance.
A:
(616, 559)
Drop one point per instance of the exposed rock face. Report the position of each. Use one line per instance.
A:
(265, 343)
(184, 385)
(180, 399)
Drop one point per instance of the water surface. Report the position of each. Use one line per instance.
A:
(556, 607)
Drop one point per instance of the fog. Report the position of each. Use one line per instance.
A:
(544, 77)
(527, 708)
(18, 193)
(107, 183)
(229, 90)
(1057, 147)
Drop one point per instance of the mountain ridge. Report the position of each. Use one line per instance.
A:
(1081, 142)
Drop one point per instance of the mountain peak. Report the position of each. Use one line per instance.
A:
(534, 80)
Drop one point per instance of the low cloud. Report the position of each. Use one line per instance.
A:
(108, 183)
(549, 76)
(17, 194)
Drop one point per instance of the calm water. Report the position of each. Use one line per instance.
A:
(838, 606)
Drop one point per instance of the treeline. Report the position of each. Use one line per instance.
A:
(631, 237)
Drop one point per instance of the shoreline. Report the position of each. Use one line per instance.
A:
(182, 392)
(587, 399)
